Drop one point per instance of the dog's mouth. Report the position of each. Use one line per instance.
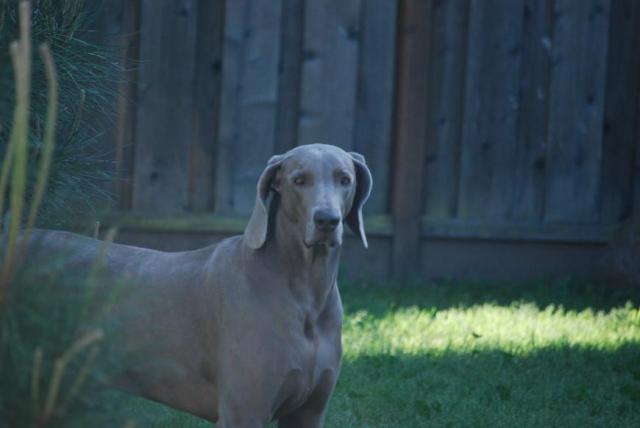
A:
(316, 237)
(327, 241)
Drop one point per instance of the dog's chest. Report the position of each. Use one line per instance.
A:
(312, 353)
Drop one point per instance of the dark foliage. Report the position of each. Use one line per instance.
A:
(56, 338)
(47, 312)
(87, 76)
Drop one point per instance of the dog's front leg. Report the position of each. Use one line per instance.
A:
(243, 407)
(304, 417)
(312, 413)
(245, 423)
(236, 417)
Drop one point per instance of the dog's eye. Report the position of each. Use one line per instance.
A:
(345, 180)
(299, 181)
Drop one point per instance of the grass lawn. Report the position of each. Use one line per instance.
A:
(545, 355)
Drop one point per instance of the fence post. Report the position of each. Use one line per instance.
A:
(126, 108)
(411, 128)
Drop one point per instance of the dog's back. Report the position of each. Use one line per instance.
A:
(164, 307)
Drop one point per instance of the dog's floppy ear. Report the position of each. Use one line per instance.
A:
(255, 234)
(364, 182)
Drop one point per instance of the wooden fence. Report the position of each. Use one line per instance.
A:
(498, 120)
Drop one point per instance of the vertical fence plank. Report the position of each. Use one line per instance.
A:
(411, 112)
(329, 72)
(576, 110)
(290, 75)
(446, 108)
(107, 23)
(249, 100)
(165, 102)
(622, 90)
(229, 120)
(636, 170)
(258, 100)
(114, 25)
(527, 204)
(125, 126)
(374, 104)
(489, 132)
(202, 158)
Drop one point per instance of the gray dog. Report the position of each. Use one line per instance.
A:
(252, 325)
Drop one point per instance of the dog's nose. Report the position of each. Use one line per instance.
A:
(326, 221)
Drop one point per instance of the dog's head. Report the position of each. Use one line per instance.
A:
(318, 187)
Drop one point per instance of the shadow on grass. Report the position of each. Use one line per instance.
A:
(555, 386)
(572, 295)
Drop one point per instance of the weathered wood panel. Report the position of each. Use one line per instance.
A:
(636, 169)
(497, 120)
(374, 103)
(577, 87)
(125, 133)
(228, 122)
(620, 124)
(329, 72)
(527, 205)
(165, 105)
(258, 100)
(249, 100)
(445, 118)
(411, 111)
(290, 75)
(554, 232)
(491, 107)
(208, 63)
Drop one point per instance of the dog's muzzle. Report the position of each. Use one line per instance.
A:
(326, 229)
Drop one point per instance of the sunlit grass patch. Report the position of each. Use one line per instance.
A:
(520, 328)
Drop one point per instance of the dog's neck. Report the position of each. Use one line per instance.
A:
(311, 272)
